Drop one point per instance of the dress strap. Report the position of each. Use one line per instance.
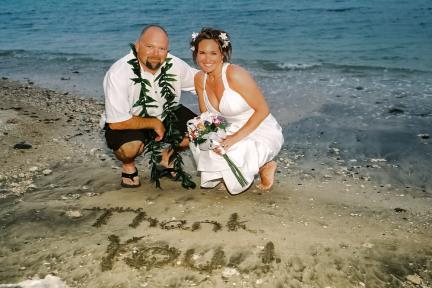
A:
(224, 78)
(206, 100)
(204, 81)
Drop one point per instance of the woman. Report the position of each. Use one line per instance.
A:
(254, 137)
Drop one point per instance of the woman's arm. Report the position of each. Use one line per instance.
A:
(200, 90)
(242, 82)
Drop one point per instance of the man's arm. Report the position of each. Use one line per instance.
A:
(187, 75)
(118, 110)
(137, 122)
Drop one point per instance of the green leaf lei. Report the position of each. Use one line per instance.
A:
(172, 136)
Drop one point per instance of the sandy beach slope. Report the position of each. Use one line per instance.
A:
(62, 213)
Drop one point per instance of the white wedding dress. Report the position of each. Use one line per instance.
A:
(249, 154)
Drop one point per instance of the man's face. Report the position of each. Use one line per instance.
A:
(152, 49)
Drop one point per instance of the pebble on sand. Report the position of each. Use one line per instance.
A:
(22, 145)
(229, 272)
(48, 282)
(47, 172)
(73, 214)
(415, 279)
(33, 169)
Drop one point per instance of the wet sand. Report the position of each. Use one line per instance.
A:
(63, 213)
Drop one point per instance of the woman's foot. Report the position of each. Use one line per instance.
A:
(221, 186)
(267, 172)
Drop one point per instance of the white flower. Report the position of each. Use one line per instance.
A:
(194, 36)
(206, 116)
(192, 48)
(221, 134)
(223, 36)
(225, 40)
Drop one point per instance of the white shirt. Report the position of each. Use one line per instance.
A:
(121, 92)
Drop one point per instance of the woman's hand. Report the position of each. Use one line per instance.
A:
(228, 142)
(219, 150)
(225, 144)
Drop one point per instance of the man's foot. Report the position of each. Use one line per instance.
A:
(267, 172)
(130, 180)
(165, 163)
(166, 154)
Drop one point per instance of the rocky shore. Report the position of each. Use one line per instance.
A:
(63, 214)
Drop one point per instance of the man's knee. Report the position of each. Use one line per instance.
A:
(130, 150)
(184, 143)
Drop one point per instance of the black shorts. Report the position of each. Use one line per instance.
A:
(116, 138)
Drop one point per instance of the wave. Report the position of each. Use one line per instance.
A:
(51, 56)
(288, 66)
(358, 67)
(331, 10)
(6, 53)
(297, 66)
(267, 65)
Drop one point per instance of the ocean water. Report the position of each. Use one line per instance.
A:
(355, 76)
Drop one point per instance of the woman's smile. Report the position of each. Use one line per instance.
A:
(209, 56)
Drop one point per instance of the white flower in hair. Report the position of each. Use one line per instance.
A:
(194, 36)
(225, 40)
(223, 36)
(192, 48)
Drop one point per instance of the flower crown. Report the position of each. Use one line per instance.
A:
(222, 36)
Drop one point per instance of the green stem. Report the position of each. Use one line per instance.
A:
(236, 171)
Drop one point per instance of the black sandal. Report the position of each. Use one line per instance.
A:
(130, 176)
(168, 172)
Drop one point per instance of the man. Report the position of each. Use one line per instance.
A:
(125, 131)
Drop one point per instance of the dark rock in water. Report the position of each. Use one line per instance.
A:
(5, 78)
(76, 72)
(22, 145)
(399, 210)
(424, 136)
(395, 111)
(359, 88)
(65, 78)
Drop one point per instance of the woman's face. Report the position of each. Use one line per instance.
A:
(209, 57)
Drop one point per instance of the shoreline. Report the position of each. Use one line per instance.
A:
(62, 212)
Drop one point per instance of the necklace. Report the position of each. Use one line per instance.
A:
(172, 136)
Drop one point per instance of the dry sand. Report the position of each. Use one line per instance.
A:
(62, 213)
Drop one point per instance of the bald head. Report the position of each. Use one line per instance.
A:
(152, 47)
(153, 26)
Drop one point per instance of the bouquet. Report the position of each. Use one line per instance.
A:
(206, 131)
